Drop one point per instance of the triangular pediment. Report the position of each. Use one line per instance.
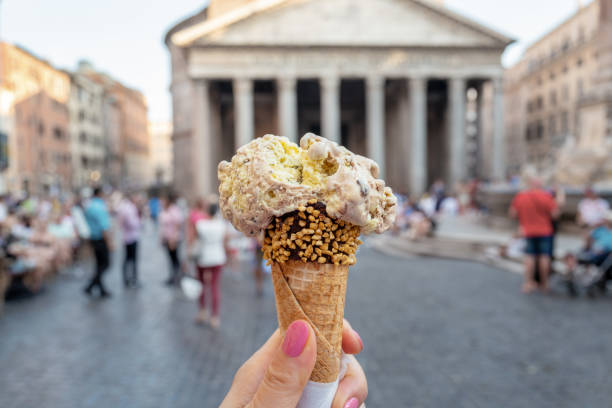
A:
(394, 23)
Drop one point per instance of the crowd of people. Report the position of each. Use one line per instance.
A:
(40, 237)
(538, 210)
(417, 217)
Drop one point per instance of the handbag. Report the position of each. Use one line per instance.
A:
(191, 288)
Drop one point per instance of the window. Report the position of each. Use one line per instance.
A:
(579, 61)
(57, 133)
(580, 87)
(564, 123)
(528, 133)
(552, 131)
(566, 44)
(581, 34)
(539, 130)
(552, 75)
(565, 93)
(529, 107)
(83, 137)
(553, 98)
(539, 103)
(81, 116)
(565, 69)
(41, 129)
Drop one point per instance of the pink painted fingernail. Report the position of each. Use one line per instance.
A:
(358, 338)
(352, 403)
(295, 338)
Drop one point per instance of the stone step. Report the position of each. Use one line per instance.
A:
(445, 248)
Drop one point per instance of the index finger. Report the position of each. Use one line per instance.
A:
(351, 341)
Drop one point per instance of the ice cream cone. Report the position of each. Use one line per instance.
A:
(316, 293)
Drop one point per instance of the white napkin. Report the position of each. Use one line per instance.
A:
(321, 395)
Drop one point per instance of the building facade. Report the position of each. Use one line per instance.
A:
(387, 78)
(86, 129)
(36, 119)
(561, 91)
(126, 133)
(161, 152)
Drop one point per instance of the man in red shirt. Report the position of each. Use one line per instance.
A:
(535, 209)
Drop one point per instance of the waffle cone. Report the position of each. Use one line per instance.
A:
(315, 293)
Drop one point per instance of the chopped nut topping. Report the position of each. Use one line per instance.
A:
(310, 235)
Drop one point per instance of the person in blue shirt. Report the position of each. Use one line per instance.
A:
(598, 251)
(154, 208)
(98, 220)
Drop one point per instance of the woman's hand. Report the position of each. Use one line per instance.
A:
(277, 373)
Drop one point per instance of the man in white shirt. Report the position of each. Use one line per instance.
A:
(592, 209)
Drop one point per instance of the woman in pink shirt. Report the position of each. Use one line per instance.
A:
(171, 223)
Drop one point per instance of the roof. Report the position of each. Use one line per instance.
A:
(193, 19)
(189, 30)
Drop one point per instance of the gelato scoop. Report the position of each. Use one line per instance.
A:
(271, 176)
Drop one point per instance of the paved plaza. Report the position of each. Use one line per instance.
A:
(437, 333)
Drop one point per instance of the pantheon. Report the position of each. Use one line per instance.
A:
(389, 79)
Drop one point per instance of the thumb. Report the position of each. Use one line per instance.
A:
(289, 370)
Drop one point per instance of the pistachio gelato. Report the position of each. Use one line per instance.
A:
(271, 176)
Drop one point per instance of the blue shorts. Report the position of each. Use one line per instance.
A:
(537, 246)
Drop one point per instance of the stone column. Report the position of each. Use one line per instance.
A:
(201, 151)
(375, 118)
(287, 108)
(243, 107)
(458, 164)
(498, 159)
(418, 148)
(330, 108)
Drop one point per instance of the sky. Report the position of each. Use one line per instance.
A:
(125, 37)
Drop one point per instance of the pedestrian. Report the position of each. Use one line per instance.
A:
(197, 213)
(213, 237)
(535, 209)
(98, 220)
(591, 209)
(129, 222)
(154, 207)
(171, 224)
(438, 192)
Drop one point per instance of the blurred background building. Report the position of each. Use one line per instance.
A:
(127, 143)
(86, 128)
(560, 94)
(397, 92)
(62, 130)
(35, 121)
(161, 152)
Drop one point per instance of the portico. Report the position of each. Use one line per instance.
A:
(403, 106)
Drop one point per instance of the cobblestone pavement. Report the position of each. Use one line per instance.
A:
(437, 333)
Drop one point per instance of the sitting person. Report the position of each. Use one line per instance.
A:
(598, 250)
(591, 209)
